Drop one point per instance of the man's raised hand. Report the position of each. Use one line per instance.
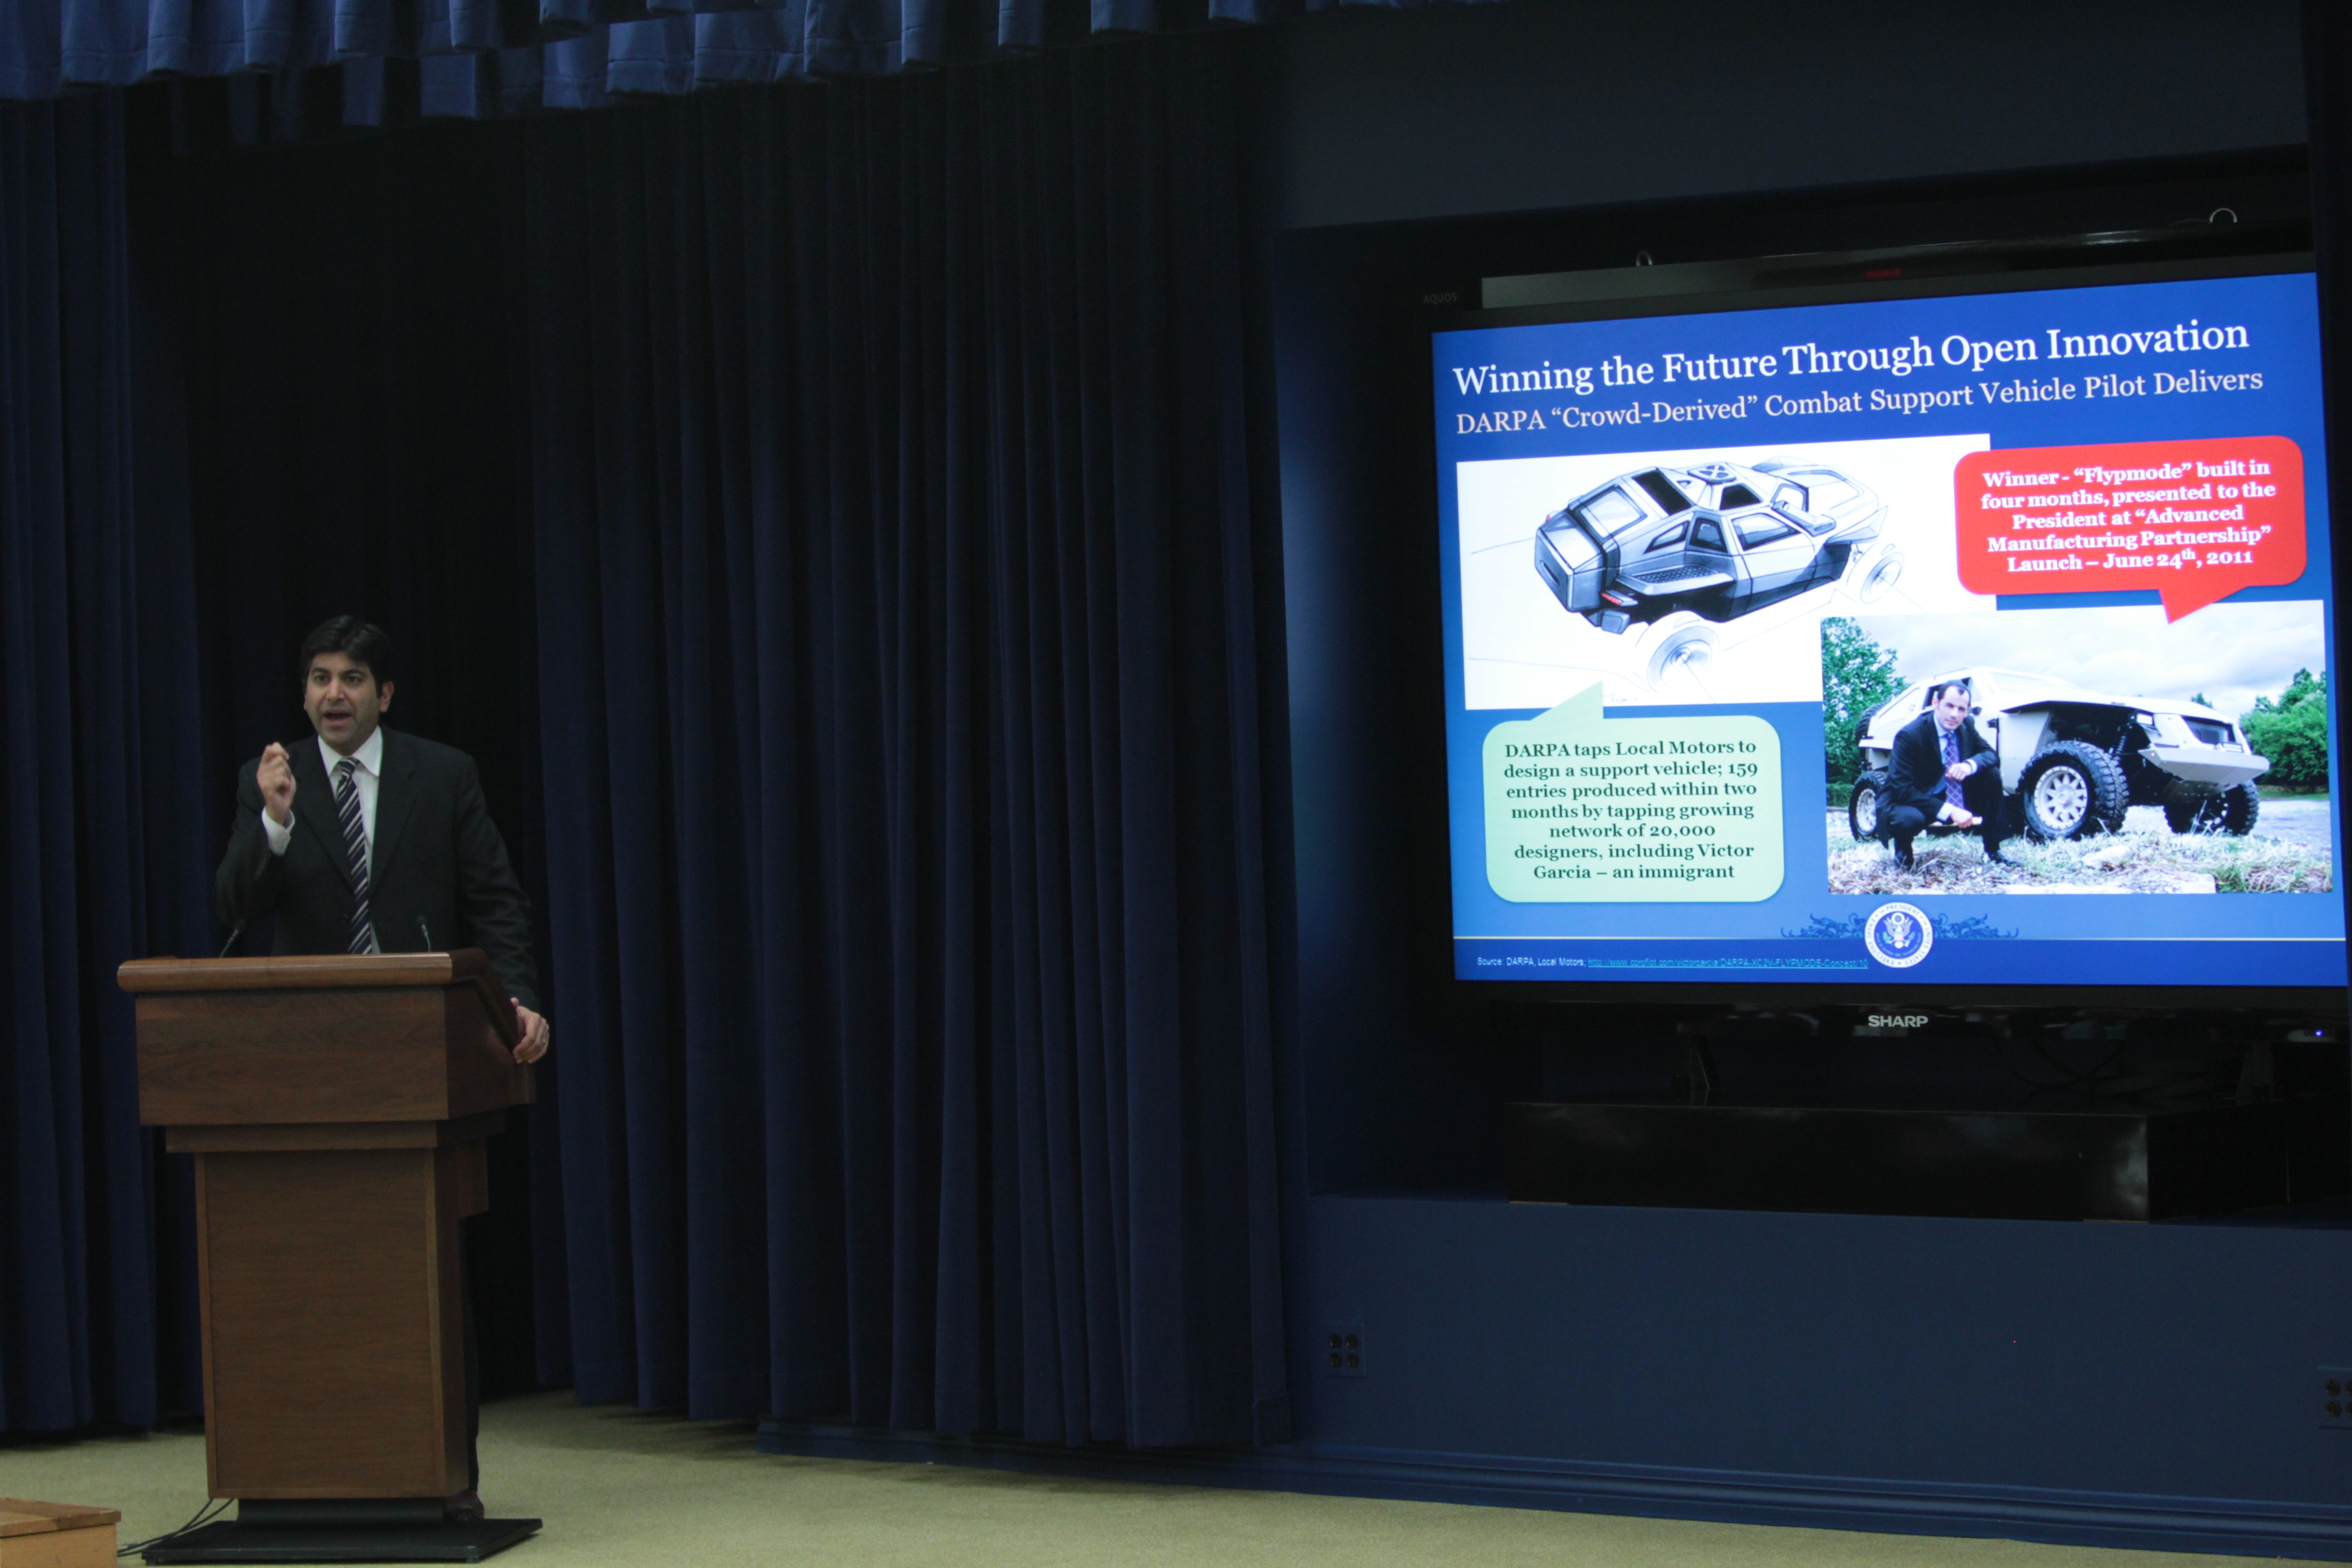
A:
(276, 778)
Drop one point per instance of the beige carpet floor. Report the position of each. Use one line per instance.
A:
(627, 1490)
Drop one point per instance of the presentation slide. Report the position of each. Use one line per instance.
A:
(1971, 639)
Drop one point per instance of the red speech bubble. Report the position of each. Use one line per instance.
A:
(2196, 520)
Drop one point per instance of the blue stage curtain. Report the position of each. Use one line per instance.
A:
(478, 57)
(101, 856)
(344, 327)
(904, 583)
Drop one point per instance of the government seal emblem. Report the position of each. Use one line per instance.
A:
(1897, 936)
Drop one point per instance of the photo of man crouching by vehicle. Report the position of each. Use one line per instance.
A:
(1942, 777)
(2098, 749)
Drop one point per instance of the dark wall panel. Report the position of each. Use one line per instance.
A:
(1547, 103)
(2091, 1359)
(2108, 1359)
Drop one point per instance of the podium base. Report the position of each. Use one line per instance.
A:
(359, 1532)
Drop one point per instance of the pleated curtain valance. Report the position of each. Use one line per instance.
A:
(479, 58)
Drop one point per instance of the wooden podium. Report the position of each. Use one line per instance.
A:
(337, 1109)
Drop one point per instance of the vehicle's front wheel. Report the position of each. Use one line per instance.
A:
(2072, 790)
(1862, 808)
(2235, 810)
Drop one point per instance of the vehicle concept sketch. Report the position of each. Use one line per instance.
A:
(1675, 550)
(2073, 762)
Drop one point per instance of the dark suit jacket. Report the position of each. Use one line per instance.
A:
(1915, 772)
(436, 855)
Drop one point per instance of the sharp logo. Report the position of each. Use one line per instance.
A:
(1898, 1020)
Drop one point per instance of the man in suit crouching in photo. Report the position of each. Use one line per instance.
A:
(1942, 771)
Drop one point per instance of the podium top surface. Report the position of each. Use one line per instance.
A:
(325, 972)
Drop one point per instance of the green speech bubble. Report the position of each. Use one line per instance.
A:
(1583, 809)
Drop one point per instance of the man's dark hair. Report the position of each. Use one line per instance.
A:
(1934, 693)
(360, 641)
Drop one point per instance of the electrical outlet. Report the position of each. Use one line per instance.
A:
(1343, 1350)
(2333, 1408)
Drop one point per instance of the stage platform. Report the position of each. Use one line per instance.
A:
(622, 1488)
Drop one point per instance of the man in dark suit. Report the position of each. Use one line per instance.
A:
(392, 851)
(1942, 771)
(431, 870)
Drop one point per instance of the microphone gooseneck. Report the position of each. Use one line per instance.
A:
(234, 931)
(425, 931)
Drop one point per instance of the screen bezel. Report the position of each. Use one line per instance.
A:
(1942, 271)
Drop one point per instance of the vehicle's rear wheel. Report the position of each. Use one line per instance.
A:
(1883, 574)
(1680, 644)
(2073, 789)
(1862, 808)
(2234, 810)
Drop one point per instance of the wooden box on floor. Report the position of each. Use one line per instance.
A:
(336, 1107)
(56, 1535)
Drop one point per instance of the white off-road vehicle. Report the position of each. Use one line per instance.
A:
(2073, 762)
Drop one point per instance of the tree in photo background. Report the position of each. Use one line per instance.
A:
(1857, 675)
(2293, 733)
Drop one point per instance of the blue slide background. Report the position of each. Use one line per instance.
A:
(2154, 940)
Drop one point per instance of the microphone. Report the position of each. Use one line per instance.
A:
(235, 932)
(425, 931)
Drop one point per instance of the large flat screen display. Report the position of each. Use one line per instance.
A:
(1977, 637)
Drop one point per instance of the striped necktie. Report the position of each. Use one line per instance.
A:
(1951, 756)
(355, 849)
